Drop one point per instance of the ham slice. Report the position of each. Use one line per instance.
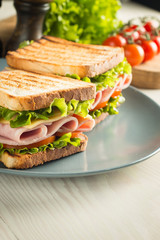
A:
(97, 99)
(85, 124)
(104, 95)
(127, 81)
(25, 136)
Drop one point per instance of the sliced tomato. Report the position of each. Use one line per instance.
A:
(33, 145)
(116, 93)
(76, 134)
(80, 118)
(100, 105)
(128, 78)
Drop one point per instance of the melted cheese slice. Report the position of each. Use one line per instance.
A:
(38, 121)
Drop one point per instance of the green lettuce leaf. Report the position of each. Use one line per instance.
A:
(108, 78)
(58, 106)
(111, 107)
(25, 43)
(84, 21)
(59, 143)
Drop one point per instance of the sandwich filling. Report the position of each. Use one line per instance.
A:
(57, 126)
(109, 86)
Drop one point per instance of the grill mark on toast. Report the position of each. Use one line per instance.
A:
(65, 59)
(63, 53)
(26, 81)
(50, 51)
(50, 55)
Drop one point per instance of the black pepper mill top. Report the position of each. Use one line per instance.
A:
(30, 16)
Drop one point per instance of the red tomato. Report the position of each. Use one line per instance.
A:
(131, 32)
(149, 26)
(150, 49)
(157, 42)
(33, 145)
(129, 29)
(141, 30)
(74, 134)
(134, 35)
(134, 54)
(100, 105)
(115, 41)
(116, 93)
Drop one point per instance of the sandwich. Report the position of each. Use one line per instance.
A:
(42, 118)
(104, 66)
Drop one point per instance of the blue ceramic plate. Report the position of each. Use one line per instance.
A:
(119, 141)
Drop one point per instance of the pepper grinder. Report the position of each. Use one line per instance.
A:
(30, 17)
(1, 46)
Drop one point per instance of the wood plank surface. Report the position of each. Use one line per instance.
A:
(147, 75)
(122, 204)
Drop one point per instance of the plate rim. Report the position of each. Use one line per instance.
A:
(16, 172)
(33, 174)
(45, 174)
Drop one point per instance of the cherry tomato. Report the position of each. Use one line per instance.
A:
(130, 34)
(150, 49)
(157, 42)
(135, 35)
(141, 30)
(136, 28)
(129, 29)
(151, 25)
(115, 41)
(134, 54)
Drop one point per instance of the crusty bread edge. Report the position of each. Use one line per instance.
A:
(25, 161)
(43, 100)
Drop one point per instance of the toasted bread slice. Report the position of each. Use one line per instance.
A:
(25, 161)
(51, 55)
(21, 90)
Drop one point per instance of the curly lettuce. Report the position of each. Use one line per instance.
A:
(108, 78)
(84, 21)
(23, 118)
(111, 107)
(58, 143)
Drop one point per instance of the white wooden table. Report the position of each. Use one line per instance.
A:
(119, 205)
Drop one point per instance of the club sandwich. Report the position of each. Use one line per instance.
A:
(104, 66)
(42, 118)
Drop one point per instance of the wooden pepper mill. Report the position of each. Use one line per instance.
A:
(1, 46)
(30, 17)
